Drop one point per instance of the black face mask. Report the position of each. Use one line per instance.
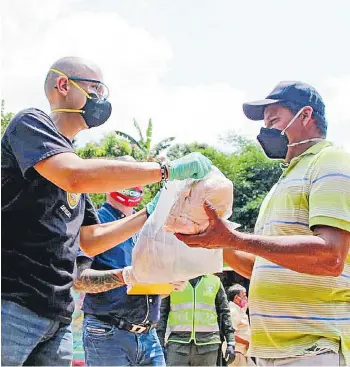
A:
(274, 144)
(96, 112)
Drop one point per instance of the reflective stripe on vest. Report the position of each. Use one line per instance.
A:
(199, 328)
(193, 309)
(189, 306)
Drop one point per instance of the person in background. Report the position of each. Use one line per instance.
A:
(237, 296)
(118, 329)
(195, 316)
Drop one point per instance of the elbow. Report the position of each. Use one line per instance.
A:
(75, 181)
(336, 268)
(88, 250)
(73, 177)
(334, 265)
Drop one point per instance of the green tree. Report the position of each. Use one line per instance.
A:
(5, 117)
(143, 147)
(113, 145)
(253, 176)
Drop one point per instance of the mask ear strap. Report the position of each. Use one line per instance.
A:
(305, 141)
(292, 120)
(73, 82)
(67, 110)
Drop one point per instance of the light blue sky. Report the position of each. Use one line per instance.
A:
(248, 44)
(210, 51)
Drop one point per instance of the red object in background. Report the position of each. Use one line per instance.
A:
(78, 362)
(128, 197)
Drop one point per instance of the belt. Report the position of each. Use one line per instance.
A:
(124, 325)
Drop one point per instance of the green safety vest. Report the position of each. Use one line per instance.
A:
(193, 309)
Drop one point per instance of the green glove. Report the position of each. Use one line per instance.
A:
(150, 207)
(193, 165)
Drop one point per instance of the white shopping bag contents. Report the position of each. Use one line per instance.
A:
(188, 216)
(159, 257)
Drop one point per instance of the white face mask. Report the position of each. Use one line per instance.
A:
(299, 142)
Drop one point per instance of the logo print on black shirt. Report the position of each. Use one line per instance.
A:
(73, 199)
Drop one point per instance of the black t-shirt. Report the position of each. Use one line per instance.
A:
(40, 222)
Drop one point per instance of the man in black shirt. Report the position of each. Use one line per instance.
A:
(46, 212)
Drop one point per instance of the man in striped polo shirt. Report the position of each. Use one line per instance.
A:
(298, 259)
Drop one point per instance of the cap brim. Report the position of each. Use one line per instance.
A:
(255, 110)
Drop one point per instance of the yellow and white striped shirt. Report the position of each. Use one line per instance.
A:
(294, 314)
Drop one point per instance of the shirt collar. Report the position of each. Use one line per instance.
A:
(314, 149)
(234, 305)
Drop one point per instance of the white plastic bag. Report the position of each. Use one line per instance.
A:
(159, 257)
(188, 215)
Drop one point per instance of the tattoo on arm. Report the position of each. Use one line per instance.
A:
(97, 281)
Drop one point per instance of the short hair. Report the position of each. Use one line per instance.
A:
(321, 123)
(235, 290)
(71, 66)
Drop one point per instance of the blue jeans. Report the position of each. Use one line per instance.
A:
(106, 345)
(33, 340)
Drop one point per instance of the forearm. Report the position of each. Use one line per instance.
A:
(304, 254)
(228, 329)
(241, 262)
(105, 175)
(224, 315)
(105, 236)
(97, 281)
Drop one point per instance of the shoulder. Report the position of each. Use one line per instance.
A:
(30, 115)
(215, 280)
(332, 155)
(331, 162)
(213, 277)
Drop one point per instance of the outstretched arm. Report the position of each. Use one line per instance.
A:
(323, 253)
(99, 238)
(96, 281)
(74, 174)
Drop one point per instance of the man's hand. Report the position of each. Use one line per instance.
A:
(128, 276)
(193, 165)
(219, 234)
(230, 354)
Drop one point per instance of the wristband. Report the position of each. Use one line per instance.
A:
(164, 172)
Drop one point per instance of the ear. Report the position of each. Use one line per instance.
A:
(306, 115)
(236, 299)
(62, 85)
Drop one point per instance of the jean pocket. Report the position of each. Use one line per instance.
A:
(97, 330)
